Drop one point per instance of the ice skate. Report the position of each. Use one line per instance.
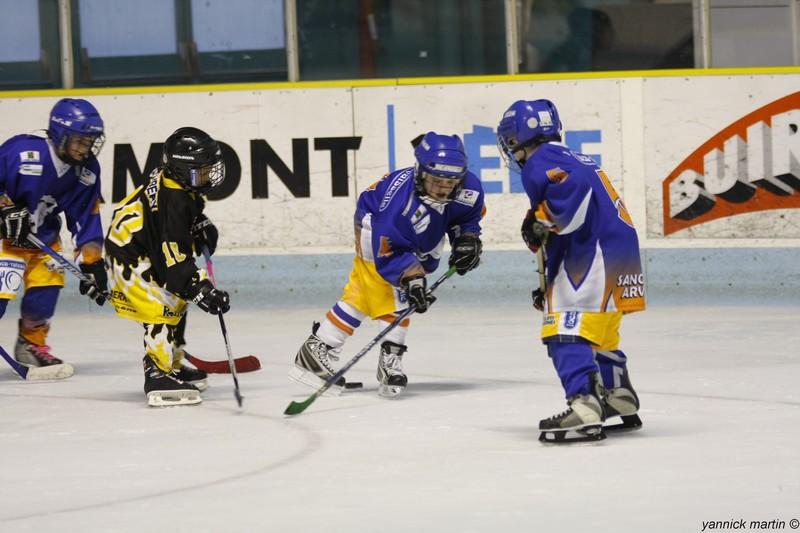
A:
(582, 422)
(164, 389)
(194, 376)
(43, 364)
(623, 402)
(391, 378)
(312, 365)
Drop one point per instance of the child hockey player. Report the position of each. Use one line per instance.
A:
(42, 176)
(153, 236)
(593, 270)
(400, 226)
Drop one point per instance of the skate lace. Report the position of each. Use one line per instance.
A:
(392, 364)
(325, 354)
(562, 414)
(42, 352)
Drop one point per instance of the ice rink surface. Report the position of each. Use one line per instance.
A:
(457, 453)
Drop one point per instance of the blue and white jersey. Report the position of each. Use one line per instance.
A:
(397, 229)
(593, 261)
(32, 175)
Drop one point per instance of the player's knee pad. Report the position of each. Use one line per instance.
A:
(574, 362)
(613, 366)
(39, 303)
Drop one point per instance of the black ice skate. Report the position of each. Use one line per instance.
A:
(39, 357)
(195, 376)
(622, 401)
(164, 389)
(391, 378)
(312, 365)
(582, 422)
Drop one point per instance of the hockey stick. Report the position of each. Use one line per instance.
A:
(248, 363)
(243, 365)
(236, 391)
(540, 261)
(231, 364)
(64, 262)
(295, 408)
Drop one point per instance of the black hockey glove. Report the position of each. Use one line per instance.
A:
(466, 253)
(97, 290)
(417, 293)
(205, 234)
(534, 233)
(538, 299)
(15, 224)
(208, 298)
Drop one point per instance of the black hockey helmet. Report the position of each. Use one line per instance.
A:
(194, 159)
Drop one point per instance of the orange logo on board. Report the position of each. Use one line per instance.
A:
(751, 165)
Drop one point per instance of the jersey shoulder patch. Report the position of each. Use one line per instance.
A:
(467, 197)
(30, 156)
(87, 177)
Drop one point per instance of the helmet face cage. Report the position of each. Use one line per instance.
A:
(437, 189)
(508, 146)
(206, 177)
(440, 168)
(91, 143)
(194, 159)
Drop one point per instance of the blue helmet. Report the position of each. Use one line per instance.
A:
(73, 118)
(440, 168)
(527, 123)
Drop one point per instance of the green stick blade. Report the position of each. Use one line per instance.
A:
(295, 408)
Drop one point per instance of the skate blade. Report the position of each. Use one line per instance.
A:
(49, 373)
(628, 423)
(173, 398)
(585, 434)
(389, 392)
(310, 379)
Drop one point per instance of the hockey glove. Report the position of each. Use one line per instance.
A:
(538, 299)
(417, 293)
(534, 233)
(205, 234)
(466, 253)
(209, 299)
(97, 290)
(15, 224)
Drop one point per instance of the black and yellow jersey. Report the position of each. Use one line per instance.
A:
(150, 233)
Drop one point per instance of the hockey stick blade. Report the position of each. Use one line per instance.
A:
(248, 363)
(295, 408)
(21, 370)
(38, 373)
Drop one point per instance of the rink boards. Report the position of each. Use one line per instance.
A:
(700, 160)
